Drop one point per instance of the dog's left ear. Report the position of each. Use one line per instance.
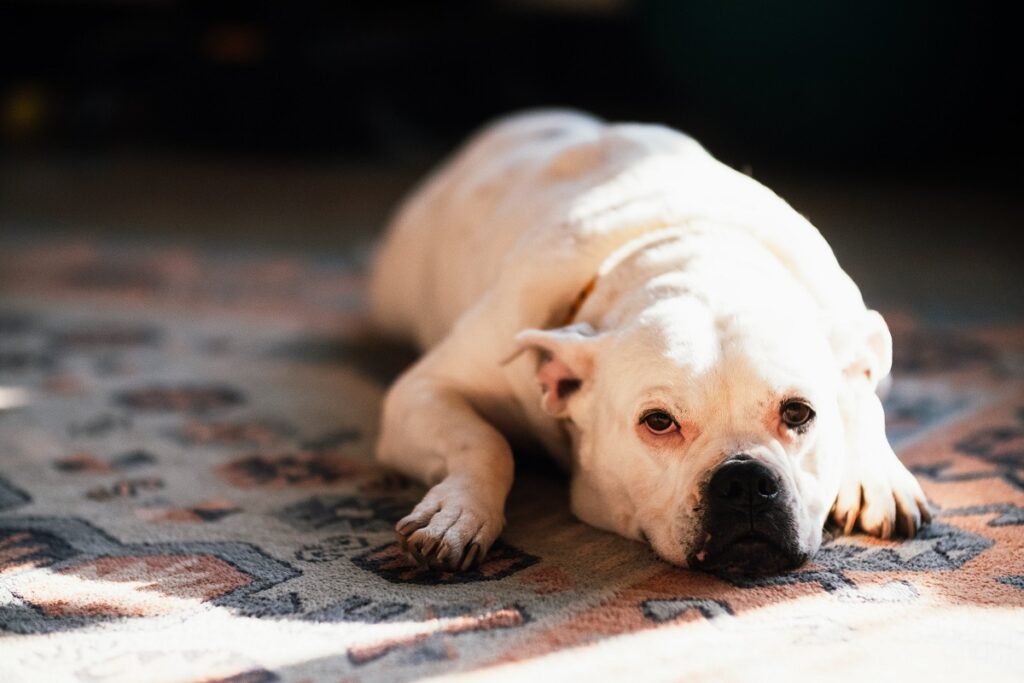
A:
(566, 362)
(864, 347)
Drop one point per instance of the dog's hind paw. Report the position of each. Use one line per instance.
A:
(449, 530)
(883, 501)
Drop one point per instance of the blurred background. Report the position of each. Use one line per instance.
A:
(893, 125)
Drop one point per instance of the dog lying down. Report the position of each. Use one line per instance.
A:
(673, 333)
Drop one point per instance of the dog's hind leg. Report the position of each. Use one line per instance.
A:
(430, 431)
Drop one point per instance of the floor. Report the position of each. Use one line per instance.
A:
(933, 240)
(188, 403)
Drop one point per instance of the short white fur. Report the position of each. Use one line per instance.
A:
(714, 301)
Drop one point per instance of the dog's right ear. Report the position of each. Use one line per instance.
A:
(566, 362)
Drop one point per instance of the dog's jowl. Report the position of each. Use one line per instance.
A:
(668, 329)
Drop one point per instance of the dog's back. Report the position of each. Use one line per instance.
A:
(568, 182)
(445, 245)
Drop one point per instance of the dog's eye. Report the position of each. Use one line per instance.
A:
(659, 422)
(796, 413)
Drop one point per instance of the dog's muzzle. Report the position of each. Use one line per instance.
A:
(748, 521)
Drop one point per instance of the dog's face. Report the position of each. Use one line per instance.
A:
(718, 439)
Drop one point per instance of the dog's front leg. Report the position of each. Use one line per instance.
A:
(877, 492)
(431, 432)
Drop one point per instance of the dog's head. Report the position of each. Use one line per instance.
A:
(711, 430)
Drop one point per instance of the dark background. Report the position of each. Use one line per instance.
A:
(894, 125)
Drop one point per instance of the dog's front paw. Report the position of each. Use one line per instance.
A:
(883, 500)
(450, 529)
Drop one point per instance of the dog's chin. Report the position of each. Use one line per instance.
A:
(749, 554)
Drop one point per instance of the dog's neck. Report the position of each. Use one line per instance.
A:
(643, 271)
(578, 302)
(608, 279)
(608, 297)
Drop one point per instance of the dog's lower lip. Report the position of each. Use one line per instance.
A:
(750, 538)
(752, 543)
(743, 554)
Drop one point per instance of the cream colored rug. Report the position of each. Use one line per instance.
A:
(186, 494)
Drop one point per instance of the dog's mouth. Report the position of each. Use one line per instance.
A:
(748, 554)
(747, 533)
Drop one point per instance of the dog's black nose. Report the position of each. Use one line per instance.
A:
(749, 520)
(744, 484)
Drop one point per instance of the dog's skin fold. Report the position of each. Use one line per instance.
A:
(711, 319)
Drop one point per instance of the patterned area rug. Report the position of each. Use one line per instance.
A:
(186, 494)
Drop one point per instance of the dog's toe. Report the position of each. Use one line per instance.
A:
(451, 541)
(882, 504)
(417, 519)
(878, 509)
(449, 532)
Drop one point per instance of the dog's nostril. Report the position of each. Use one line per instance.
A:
(744, 483)
(767, 488)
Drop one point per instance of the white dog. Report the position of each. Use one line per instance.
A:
(669, 329)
